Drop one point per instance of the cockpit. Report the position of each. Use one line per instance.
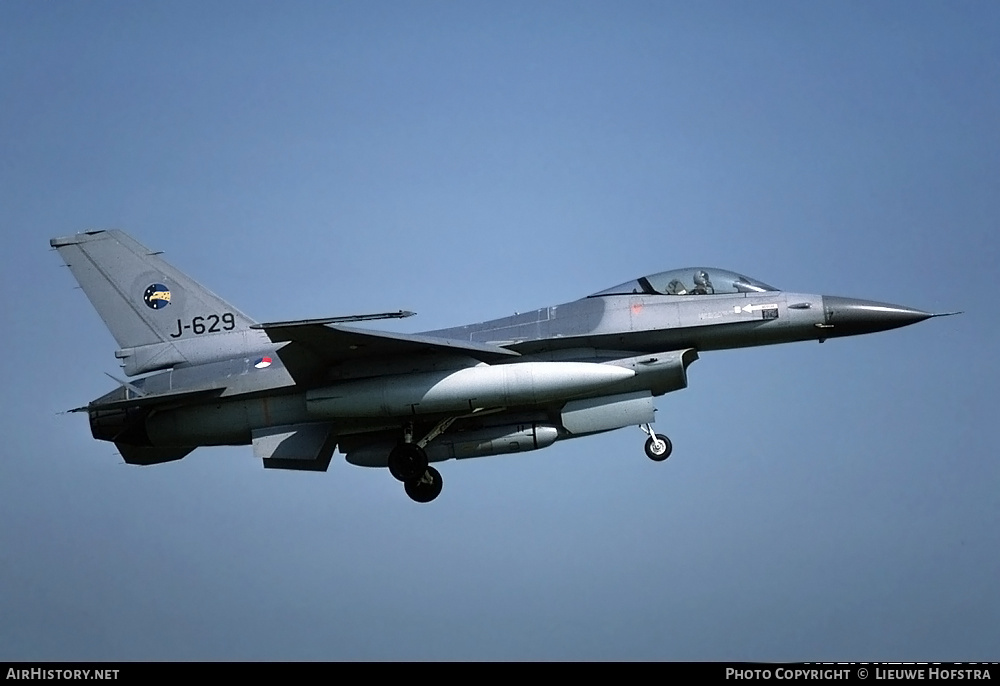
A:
(689, 281)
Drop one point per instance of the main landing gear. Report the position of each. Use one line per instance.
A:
(425, 488)
(408, 463)
(658, 447)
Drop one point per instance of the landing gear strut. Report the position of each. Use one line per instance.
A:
(658, 447)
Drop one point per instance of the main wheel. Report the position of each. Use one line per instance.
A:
(407, 461)
(658, 449)
(426, 488)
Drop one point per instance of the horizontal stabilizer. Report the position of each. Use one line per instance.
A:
(150, 400)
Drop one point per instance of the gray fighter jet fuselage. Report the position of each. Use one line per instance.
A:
(207, 374)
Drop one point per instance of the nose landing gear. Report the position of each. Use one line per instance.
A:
(658, 447)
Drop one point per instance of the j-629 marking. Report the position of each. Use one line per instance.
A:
(206, 324)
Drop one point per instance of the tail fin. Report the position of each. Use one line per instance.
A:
(143, 300)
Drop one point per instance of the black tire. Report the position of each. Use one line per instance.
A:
(662, 454)
(407, 461)
(426, 488)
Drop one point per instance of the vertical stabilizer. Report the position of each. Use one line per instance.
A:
(142, 299)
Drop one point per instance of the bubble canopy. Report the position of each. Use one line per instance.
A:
(689, 281)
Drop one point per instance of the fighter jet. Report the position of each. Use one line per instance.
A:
(208, 374)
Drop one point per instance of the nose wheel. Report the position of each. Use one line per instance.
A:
(658, 447)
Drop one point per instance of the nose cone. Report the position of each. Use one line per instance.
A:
(849, 316)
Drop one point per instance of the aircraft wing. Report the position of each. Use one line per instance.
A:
(314, 346)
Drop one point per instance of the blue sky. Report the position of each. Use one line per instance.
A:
(466, 160)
